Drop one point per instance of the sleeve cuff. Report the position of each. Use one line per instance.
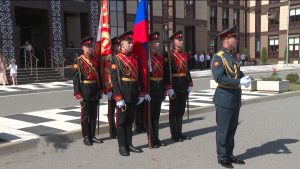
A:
(169, 86)
(142, 94)
(118, 97)
(77, 96)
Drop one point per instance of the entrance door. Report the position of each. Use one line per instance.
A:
(189, 38)
(33, 26)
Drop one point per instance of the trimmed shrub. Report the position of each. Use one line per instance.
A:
(264, 55)
(292, 77)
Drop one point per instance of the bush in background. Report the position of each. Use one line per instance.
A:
(292, 77)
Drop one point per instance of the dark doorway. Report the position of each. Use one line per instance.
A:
(33, 25)
(189, 38)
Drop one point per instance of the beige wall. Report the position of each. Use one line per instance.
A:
(230, 18)
(264, 27)
(179, 9)
(131, 7)
(219, 19)
(201, 39)
(252, 46)
(208, 18)
(282, 46)
(265, 2)
(202, 11)
(283, 17)
(242, 21)
(264, 43)
(252, 3)
(251, 22)
(157, 8)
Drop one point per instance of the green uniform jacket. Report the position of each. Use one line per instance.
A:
(227, 74)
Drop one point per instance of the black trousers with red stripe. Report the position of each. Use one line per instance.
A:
(89, 118)
(124, 124)
(177, 109)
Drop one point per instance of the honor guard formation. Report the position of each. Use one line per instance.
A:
(169, 75)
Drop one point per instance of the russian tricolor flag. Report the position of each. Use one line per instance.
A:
(140, 40)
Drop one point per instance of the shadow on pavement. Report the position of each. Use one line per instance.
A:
(272, 147)
(60, 142)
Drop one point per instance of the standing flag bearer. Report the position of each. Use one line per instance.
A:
(179, 86)
(140, 49)
(104, 52)
(157, 86)
(88, 89)
(125, 77)
(227, 97)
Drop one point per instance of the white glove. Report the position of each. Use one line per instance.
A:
(80, 100)
(121, 103)
(147, 97)
(109, 94)
(170, 92)
(141, 99)
(247, 85)
(245, 81)
(190, 89)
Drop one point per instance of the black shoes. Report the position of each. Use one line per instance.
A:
(87, 141)
(124, 151)
(95, 140)
(225, 163)
(184, 137)
(134, 149)
(234, 160)
(177, 139)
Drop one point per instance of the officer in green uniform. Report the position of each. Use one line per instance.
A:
(227, 97)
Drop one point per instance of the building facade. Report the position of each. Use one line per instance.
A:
(55, 27)
(274, 25)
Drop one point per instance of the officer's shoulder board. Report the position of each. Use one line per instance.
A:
(217, 63)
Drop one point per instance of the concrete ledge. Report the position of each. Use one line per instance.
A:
(64, 137)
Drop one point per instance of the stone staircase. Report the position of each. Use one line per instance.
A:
(44, 75)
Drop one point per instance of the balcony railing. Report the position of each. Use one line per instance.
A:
(294, 54)
(294, 26)
(273, 54)
(274, 28)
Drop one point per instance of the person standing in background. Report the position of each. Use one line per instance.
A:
(3, 79)
(13, 71)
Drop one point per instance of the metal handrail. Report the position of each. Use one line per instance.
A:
(33, 61)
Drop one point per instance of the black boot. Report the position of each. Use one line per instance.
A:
(179, 123)
(173, 129)
(129, 141)
(87, 141)
(123, 151)
(93, 132)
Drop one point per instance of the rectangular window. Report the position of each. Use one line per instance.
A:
(236, 17)
(225, 20)
(116, 10)
(273, 44)
(189, 8)
(213, 15)
(295, 15)
(294, 43)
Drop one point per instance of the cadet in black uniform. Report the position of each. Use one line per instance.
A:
(227, 97)
(157, 86)
(179, 84)
(87, 89)
(125, 76)
(111, 117)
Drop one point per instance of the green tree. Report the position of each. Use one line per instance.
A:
(264, 55)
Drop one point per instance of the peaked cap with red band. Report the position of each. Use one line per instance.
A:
(115, 40)
(87, 41)
(230, 32)
(154, 36)
(126, 36)
(176, 35)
